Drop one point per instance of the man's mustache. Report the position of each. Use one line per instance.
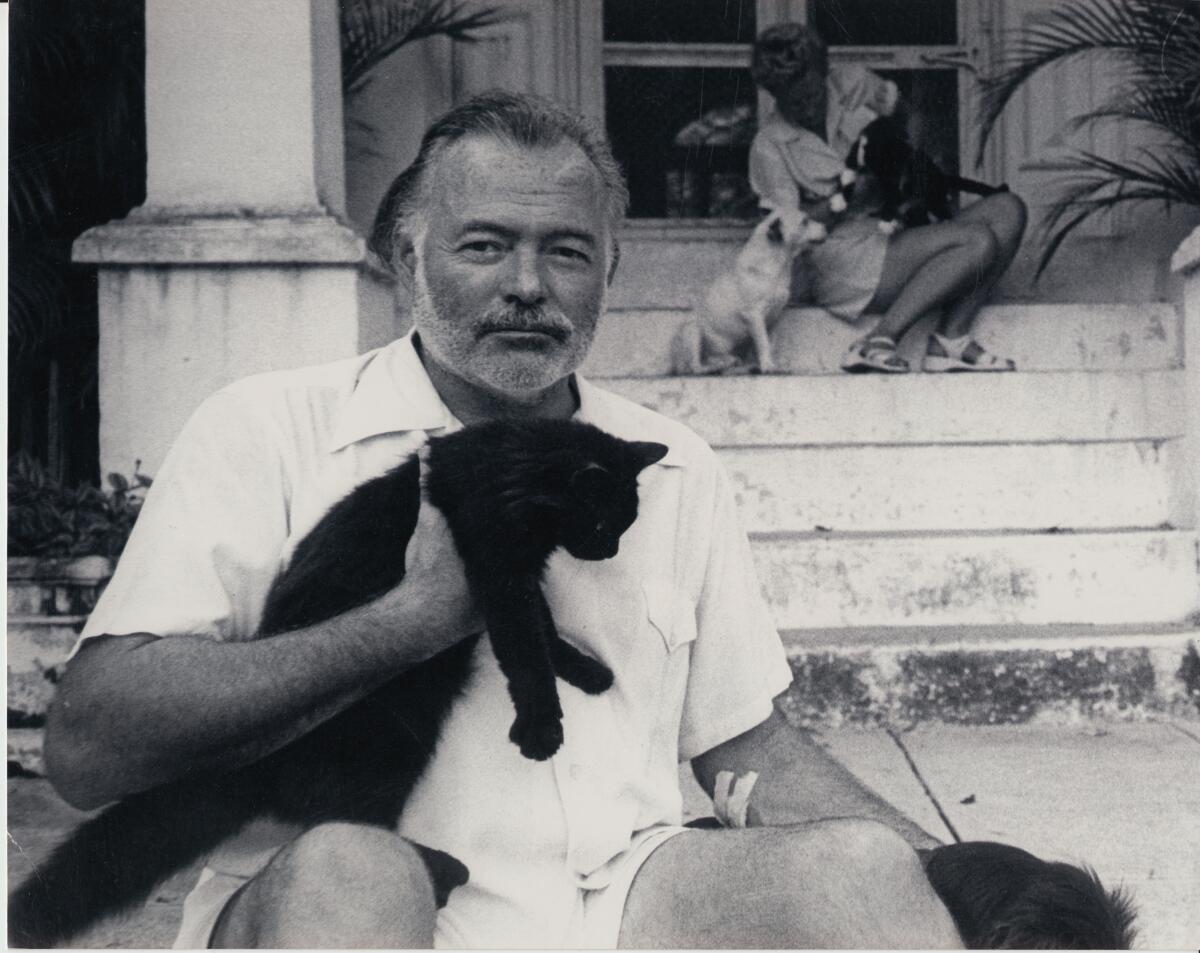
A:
(534, 319)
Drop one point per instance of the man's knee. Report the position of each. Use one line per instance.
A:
(344, 856)
(342, 879)
(877, 890)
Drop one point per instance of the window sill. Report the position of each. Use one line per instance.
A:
(684, 229)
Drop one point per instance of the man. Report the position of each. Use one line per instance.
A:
(505, 224)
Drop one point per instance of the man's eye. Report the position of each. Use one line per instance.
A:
(481, 247)
(571, 254)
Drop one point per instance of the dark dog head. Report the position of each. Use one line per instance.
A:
(1002, 897)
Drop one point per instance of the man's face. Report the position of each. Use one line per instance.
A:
(510, 272)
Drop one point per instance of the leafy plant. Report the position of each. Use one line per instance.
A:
(1156, 45)
(77, 147)
(372, 30)
(47, 519)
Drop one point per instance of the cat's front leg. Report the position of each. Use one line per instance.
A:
(576, 668)
(517, 618)
(570, 664)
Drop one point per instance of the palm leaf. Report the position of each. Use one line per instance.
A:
(372, 30)
(1157, 40)
(1102, 184)
(1168, 114)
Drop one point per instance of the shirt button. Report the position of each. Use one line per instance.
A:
(576, 772)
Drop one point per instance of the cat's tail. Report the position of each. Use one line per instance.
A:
(114, 860)
(974, 187)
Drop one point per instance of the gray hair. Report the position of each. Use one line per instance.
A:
(517, 118)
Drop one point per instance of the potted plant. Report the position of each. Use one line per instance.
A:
(62, 544)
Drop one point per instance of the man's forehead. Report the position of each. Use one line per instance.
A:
(483, 166)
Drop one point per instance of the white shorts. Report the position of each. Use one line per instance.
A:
(595, 925)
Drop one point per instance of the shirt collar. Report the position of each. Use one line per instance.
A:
(614, 415)
(393, 393)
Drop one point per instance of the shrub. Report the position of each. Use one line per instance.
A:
(48, 520)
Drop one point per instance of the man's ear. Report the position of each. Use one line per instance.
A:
(404, 258)
(614, 261)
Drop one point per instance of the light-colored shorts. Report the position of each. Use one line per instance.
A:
(595, 924)
(841, 274)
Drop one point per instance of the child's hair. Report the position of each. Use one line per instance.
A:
(785, 51)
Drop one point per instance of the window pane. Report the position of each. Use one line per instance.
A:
(885, 22)
(703, 173)
(679, 21)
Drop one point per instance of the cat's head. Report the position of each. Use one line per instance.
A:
(603, 498)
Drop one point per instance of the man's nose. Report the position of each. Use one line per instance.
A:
(522, 279)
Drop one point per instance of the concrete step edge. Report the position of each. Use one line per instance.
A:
(917, 409)
(1138, 673)
(1123, 578)
(810, 341)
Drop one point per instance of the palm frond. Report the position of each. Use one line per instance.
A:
(1158, 41)
(1167, 110)
(37, 295)
(372, 30)
(1101, 184)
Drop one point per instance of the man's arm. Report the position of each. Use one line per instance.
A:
(798, 781)
(135, 711)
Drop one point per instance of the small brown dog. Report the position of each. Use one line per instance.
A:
(743, 304)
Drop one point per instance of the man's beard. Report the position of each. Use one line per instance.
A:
(454, 339)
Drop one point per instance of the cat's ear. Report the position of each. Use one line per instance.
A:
(645, 453)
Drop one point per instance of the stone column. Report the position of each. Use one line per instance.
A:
(1186, 262)
(240, 260)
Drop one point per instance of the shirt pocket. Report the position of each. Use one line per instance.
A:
(670, 612)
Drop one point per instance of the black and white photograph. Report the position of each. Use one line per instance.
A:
(596, 474)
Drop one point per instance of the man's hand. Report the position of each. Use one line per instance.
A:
(798, 781)
(434, 585)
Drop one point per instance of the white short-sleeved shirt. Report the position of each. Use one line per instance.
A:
(677, 615)
(789, 163)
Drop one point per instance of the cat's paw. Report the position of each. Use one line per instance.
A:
(538, 738)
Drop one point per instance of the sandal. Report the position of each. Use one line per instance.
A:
(962, 354)
(877, 353)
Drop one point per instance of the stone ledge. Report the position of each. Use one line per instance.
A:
(155, 237)
(1059, 681)
(1187, 256)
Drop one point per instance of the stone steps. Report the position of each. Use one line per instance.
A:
(1115, 577)
(946, 487)
(1039, 337)
(973, 548)
(37, 645)
(850, 410)
(992, 674)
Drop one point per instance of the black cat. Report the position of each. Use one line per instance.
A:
(915, 190)
(511, 493)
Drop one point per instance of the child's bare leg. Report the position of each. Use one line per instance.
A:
(929, 267)
(1004, 214)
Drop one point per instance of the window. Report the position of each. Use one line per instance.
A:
(680, 105)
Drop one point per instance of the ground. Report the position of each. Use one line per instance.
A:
(1122, 796)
